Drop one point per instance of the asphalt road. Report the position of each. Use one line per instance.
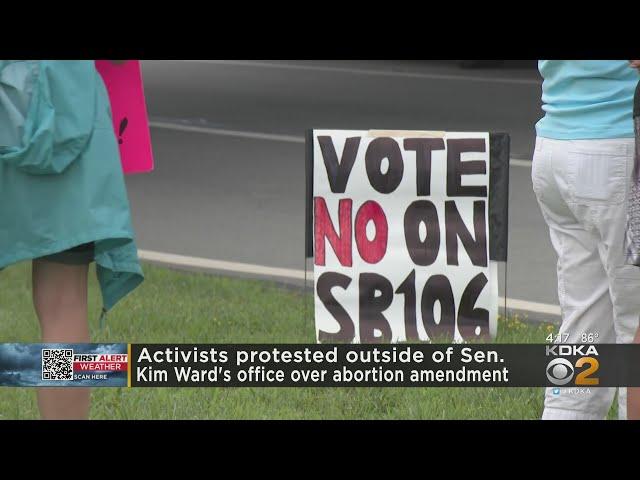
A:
(227, 138)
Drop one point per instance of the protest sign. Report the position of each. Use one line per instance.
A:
(130, 121)
(400, 232)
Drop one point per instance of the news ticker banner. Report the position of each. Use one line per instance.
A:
(303, 365)
(405, 228)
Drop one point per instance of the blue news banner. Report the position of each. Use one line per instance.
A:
(292, 365)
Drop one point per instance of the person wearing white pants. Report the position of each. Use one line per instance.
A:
(581, 176)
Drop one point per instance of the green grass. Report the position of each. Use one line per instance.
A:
(184, 307)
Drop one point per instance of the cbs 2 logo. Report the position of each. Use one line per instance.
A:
(561, 371)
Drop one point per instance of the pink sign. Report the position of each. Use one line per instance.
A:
(130, 120)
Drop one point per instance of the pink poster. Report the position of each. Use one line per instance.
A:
(130, 121)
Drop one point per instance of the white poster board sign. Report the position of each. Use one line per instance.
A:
(401, 237)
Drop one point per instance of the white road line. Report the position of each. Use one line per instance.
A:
(370, 71)
(171, 259)
(181, 127)
(546, 308)
(516, 162)
(211, 264)
(224, 132)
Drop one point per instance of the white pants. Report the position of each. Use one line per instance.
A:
(582, 188)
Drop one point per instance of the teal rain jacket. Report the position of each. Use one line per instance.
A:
(61, 181)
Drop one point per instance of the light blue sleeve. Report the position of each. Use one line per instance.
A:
(47, 113)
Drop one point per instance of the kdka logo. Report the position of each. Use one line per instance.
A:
(561, 371)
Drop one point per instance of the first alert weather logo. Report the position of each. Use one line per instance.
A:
(62, 364)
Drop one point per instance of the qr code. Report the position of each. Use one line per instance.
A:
(57, 364)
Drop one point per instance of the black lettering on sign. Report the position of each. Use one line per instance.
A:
(372, 306)
(470, 318)
(378, 150)
(423, 148)
(438, 289)
(338, 172)
(456, 167)
(325, 283)
(475, 248)
(408, 289)
(422, 252)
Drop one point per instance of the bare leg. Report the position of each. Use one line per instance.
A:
(60, 301)
(633, 394)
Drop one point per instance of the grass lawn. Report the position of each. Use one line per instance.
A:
(184, 307)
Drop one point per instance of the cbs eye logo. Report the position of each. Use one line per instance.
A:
(561, 371)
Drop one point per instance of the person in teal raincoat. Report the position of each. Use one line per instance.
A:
(63, 202)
